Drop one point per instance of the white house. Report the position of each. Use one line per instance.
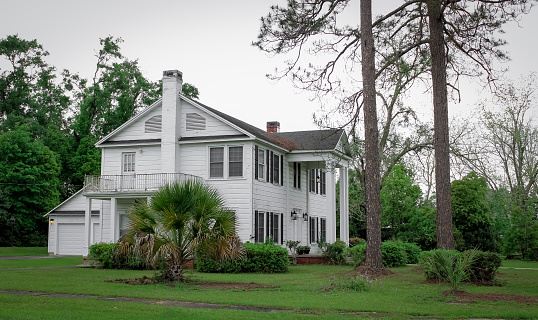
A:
(280, 184)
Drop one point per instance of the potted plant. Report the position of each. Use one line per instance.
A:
(303, 249)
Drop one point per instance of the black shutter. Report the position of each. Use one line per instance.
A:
(267, 165)
(256, 226)
(298, 175)
(268, 225)
(317, 229)
(295, 174)
(256, 162)
(271, 170)
(281, 170)
(281, 228)
(316, 177)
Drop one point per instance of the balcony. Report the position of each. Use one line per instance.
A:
(132, 182)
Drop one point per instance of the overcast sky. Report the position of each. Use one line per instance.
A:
(210, 42)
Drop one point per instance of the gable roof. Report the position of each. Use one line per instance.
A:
(311, 140)
(327, 139)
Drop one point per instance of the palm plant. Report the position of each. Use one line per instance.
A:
(181, 218)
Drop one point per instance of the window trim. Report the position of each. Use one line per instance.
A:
(123, 162)
(230, 162)
(222, 161)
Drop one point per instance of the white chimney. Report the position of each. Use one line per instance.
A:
(171, 120)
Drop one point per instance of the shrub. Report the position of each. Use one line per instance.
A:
(335, 253)
(358, 253)
(448, 265)
(394, 254)
(260, 257)
(355, 241)
(104, 254)
(484, 266)
(412, 252)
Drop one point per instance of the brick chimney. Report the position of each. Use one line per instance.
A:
(171, 120)
(273, 126)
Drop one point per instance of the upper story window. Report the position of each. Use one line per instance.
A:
(312, 181)
(235, 161)
(268, 166)
(260, 161)
(322, 182)
(297, 175)
(128, 163)
(317, 181)
(216, 162)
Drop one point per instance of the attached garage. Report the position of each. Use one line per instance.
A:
(71, 238)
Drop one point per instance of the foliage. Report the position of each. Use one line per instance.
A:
(303, 249)
(29, 185)
(292, 245)
(448, 265)
(181, 219)
(522, 235)
(335, 253)
(395, 253)
(259, 257)
(484, 266)
(472, 215)
(420, 228)
(355, 241)
(399, 201)
(103, 253)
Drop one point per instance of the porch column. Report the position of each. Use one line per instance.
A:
(344, 205)
(331, 204)
(87, 227)
(113, 218)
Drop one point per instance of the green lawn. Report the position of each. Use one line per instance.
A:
(43, 262)
(403, 295)
(519, 264)
(23, 251)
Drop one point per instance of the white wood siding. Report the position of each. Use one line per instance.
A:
(136, 130)
(214, 126)
(147, 159)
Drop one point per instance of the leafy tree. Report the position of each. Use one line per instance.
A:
(28, 183)
(399, 201)
(522, 235)
(472, 215)
(182, 218)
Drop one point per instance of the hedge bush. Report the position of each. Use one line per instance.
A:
(335, 253)
(260, 257)
(482, 269)
(358, 253)
(104, 254)
(395, 253)
(412, 251)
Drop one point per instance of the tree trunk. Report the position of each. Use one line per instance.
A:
(445, 236)
(373, 202)
(174, 271)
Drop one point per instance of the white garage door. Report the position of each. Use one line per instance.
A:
(71, 238)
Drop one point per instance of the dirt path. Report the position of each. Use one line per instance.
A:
(169, 303)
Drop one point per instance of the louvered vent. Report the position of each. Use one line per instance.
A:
(195, 122)
(154, 124)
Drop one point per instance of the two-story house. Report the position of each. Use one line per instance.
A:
(280, 184)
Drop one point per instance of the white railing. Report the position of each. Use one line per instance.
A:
(132, 182)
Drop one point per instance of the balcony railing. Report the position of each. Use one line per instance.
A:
(133, 182)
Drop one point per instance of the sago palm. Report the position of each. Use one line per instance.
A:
(181, 218)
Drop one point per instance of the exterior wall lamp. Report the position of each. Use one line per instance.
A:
(305, 216)
(294, 215)
(51, 221)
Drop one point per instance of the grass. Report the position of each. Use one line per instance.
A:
(403, 295)
(43, 262)
(519, 264)
(23, 251)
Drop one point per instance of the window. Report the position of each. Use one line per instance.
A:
(322, 182)
(216, 162)
(259, 230)
(235, 161)
(312, 229)
(268, 224)
(261, 163)
(128, 162)
(276, 168)
(313, 180)
(323, 229)
(124, 224)
(297, 175)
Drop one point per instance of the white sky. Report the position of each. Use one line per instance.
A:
(209, 41)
